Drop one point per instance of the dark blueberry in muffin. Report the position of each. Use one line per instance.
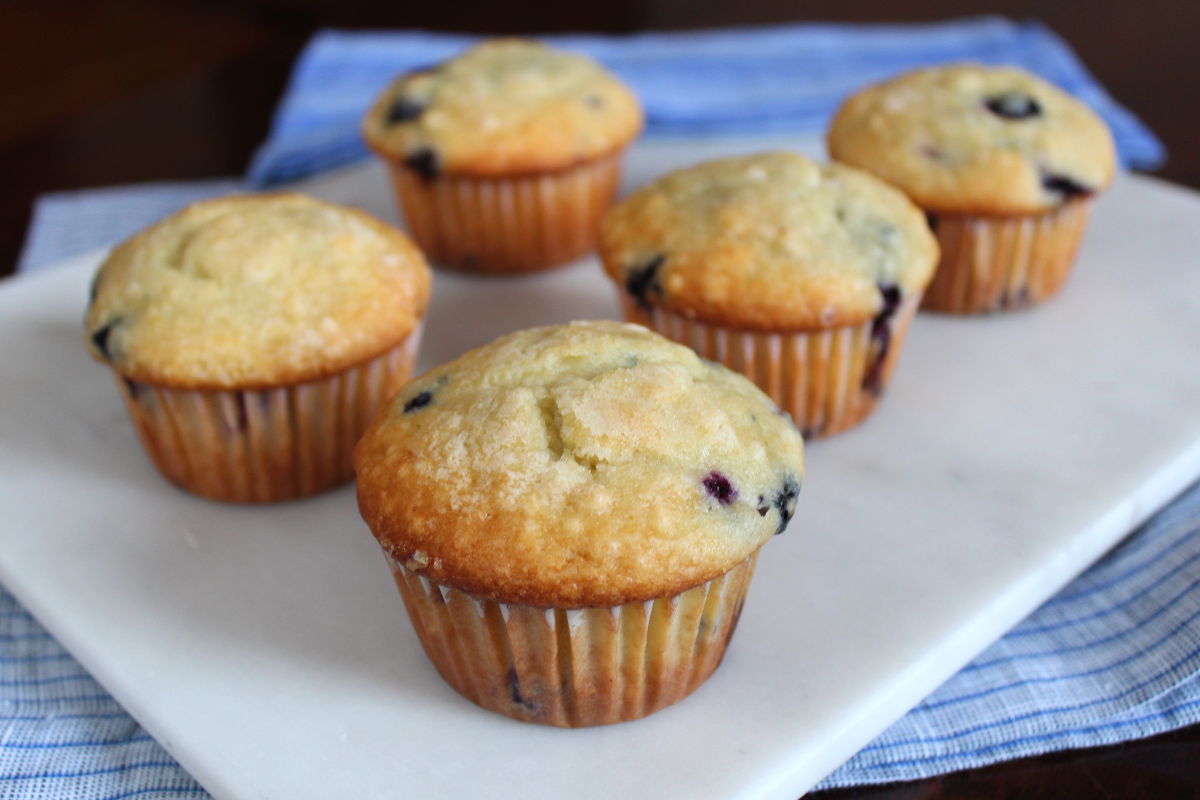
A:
(719, 487)
(514, 688)
(403, 109)
(932, 152)
(785, 502)
(240, 419)
(762, 506)
(881, 336)
(425, 163)
(420, 400)
(101, 335)
(643, 280)
(1065, 187)
(1013, 105)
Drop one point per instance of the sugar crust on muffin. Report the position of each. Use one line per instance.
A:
(255, 290)
(504, 107)
(771, 241)
(591, 464)
(972, 139)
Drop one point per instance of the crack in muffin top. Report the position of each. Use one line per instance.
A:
(503, 107)
(589, 464)
(972, 139)
(255, 290)
(772, 241)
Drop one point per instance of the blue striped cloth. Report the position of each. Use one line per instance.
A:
(1114, 656)
(780, 80)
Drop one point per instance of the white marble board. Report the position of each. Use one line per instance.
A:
(268, 650)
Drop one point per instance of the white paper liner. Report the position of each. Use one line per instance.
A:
(575, 667)
(269, 444)
(997, 263)
(827, 380)
(513, 224)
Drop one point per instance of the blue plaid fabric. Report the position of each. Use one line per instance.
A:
(1113, 657)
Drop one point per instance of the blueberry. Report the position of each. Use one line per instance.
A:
(403, 109)
(1066, 187)
(419, 401)
(240, 419)
(514, 688)
(643, 280)
(762, 506)
(932, 152)
(785, 502)
(424, 162)
(719, 487)
(101, 335)
(1013, 105)
(881, 336)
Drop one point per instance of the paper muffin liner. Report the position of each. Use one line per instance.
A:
(1000, 263)
(574, 667)
(827, 380)
(510, 224)
(265, 445)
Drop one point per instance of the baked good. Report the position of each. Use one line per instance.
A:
(504, 158)
(254, 337)
(573, 513)
(802, 276)
(1005, 164)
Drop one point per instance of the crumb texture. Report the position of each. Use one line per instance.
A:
(589, 464)
(502, 107)
(772, 241)
(253, 291)
(978, 140)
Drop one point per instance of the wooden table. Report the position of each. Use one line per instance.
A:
(135, 90)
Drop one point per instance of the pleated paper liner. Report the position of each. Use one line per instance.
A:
(269, 444)
(515, 224)
(827, 380)
(1004, 263)
(580, 666)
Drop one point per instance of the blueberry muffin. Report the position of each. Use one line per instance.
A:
(1005, 165)
(254, 337)
(505, 158)
(572, 515)
(801, 276)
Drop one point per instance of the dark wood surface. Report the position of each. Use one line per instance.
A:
(100, 93)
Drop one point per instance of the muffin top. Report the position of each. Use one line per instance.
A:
(975, 140)
(253, 291)
(771, 241)
(589, 464)
(506, 106)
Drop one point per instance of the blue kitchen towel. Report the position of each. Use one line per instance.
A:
(787, 79)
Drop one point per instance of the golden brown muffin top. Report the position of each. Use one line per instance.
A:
(253, 291)
(772, 241)
(503, 107)
(589, 464)
(973, 139)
